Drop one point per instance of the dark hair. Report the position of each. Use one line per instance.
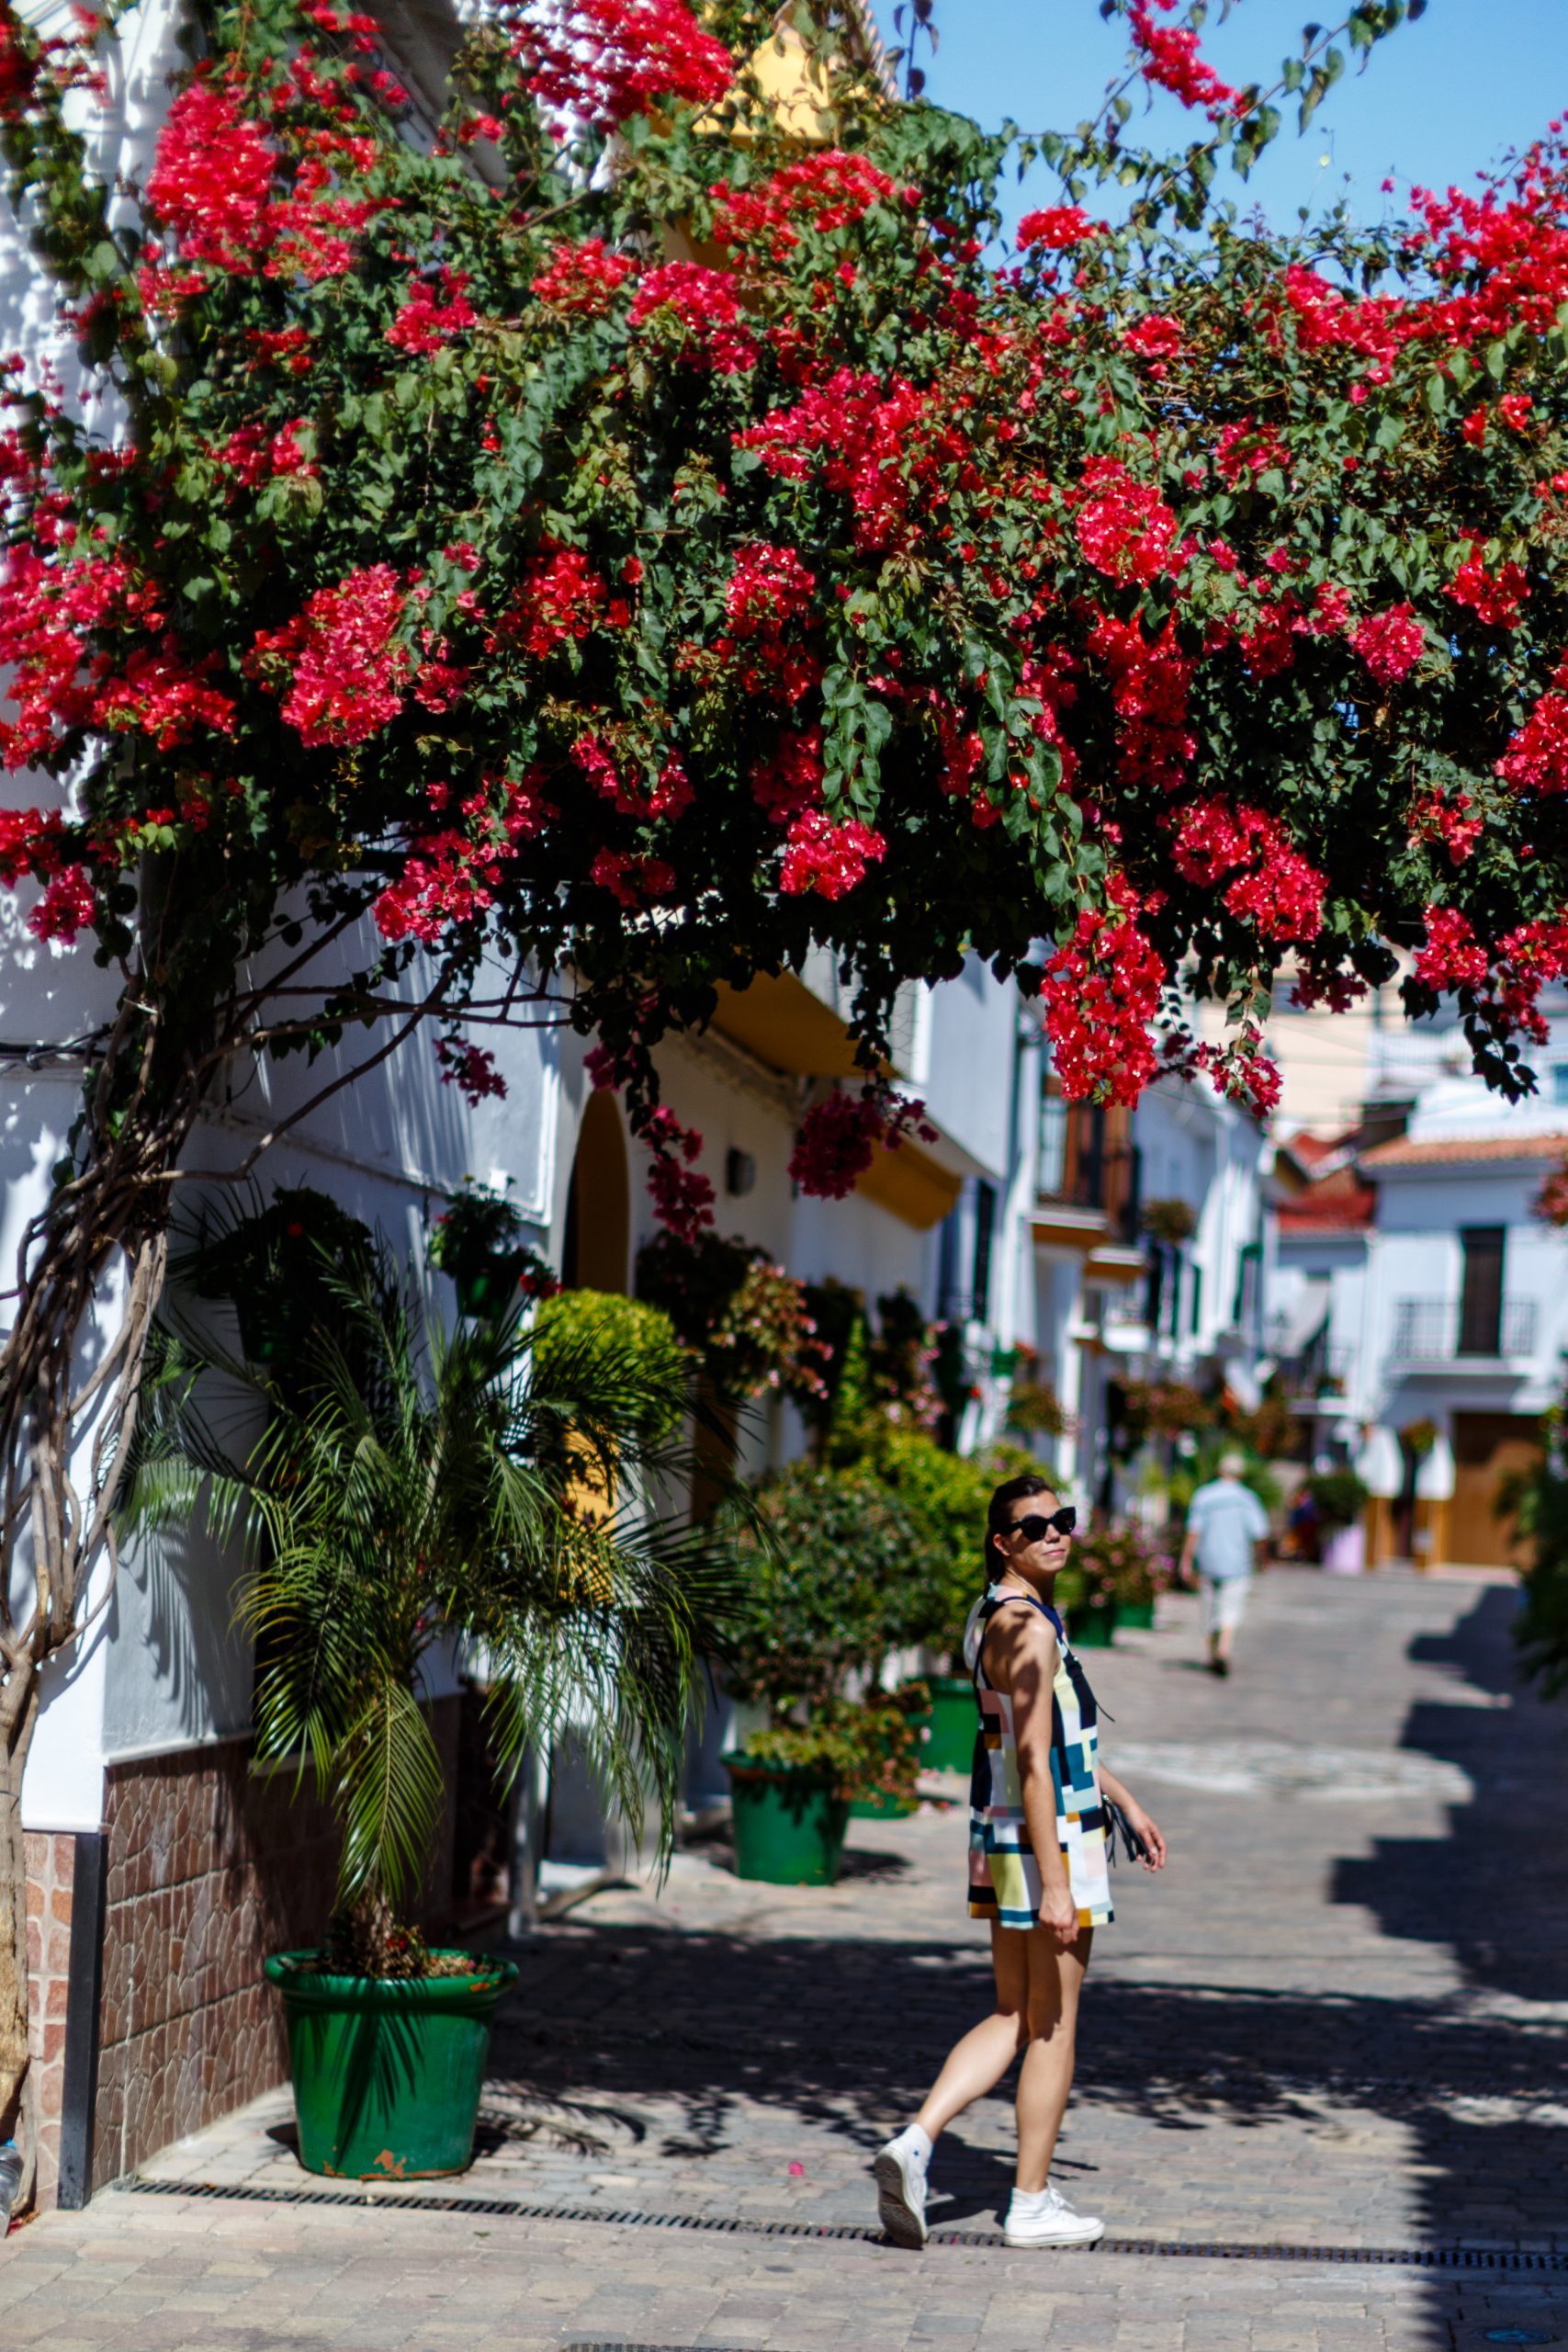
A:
(998, 1511)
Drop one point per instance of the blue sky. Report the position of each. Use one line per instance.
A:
(1439, 99)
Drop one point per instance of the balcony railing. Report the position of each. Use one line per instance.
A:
(1322, 1370)
(1434, 1331)
(1080, 1166)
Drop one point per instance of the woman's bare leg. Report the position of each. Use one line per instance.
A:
(978, 2063)
(1055, 1980)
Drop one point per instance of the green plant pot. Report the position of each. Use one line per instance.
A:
(1091, 1629)
(881, 1804)
(387, 2072)
(1136, 1612)
(952, 1721)
(789, 1824)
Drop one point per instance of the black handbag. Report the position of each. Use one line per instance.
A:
(1117, 1826)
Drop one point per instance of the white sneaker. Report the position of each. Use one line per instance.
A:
(1050, 2220)
(900, 2178)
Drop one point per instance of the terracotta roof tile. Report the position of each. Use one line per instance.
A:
(1462, 1150)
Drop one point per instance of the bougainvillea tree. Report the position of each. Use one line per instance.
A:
(610, 549)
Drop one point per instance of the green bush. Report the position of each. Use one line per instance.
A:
(592, 1330)
(827, 1557)
(945, 1495)
(1338, 1495)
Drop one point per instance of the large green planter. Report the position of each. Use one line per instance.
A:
(1139, 1613)
(954, 1721)
(387, 2071)
(1091, 1629)
(789, 1823)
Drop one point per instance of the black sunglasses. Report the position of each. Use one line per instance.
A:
(1034, 1527)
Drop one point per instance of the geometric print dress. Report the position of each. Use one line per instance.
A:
(1004, 1877)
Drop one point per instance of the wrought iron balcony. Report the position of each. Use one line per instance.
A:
(1439, 1330)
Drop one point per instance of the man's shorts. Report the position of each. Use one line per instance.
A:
(1224, 1602)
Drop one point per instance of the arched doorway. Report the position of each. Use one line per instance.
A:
(597, 1245)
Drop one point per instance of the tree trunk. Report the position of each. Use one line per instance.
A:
(18, 1714)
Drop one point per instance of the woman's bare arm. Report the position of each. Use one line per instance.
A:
(1144, 1823)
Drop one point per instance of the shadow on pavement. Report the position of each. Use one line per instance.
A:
(842, 2033)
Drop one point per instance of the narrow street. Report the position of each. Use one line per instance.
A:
(1336, 2027)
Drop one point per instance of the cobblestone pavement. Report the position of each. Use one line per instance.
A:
(1339, 2025)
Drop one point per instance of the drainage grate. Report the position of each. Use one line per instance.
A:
(1409, 2257)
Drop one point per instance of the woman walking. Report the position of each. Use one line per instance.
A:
(1038, 1871)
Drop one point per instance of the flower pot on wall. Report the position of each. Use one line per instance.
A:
(951, 1724)
(388, 2071)
(789, 1823)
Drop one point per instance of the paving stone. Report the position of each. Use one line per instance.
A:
(1340, 2020)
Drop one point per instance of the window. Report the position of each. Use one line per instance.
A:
(985, 1227)
(1560, 1081)
(1195, 1303)
(1053, 1171)
(1481, 1298)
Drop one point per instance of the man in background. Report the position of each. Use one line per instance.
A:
(1227, 1527)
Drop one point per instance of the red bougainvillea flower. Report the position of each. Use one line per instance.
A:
(1058, 228)
(634, 791)
(682, 1196)
(1537, 756)
(1124, 527)
(840, 1136)
(29, 844)
(822, 193)
(1100, 994)
(1279, 894)
(66, 907)
(698, 309)
(836, 1144)
(1150, 681)
(1171, 62)
(347, 671)
(632, 877)
(581, 280)
(828, 858)
(468, 1067)
(1434, 817)
(600, 62)
(1154, 337)
(1496, 598)
(211, 183)
(1390, 643)
(561, 600)
(1452, 957)
(426, 321)
(789, 780)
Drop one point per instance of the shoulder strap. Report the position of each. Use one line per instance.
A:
(989, 1608)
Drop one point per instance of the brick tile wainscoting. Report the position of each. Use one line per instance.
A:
(51, 1856)
(210, 1868)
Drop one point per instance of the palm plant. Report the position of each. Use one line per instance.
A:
(412, 1484)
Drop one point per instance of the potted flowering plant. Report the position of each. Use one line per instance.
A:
(825, 1556)
(479, 1242)
(268, 1264)
(412, 1485)
(1119, 1571)
(1122, 1570)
